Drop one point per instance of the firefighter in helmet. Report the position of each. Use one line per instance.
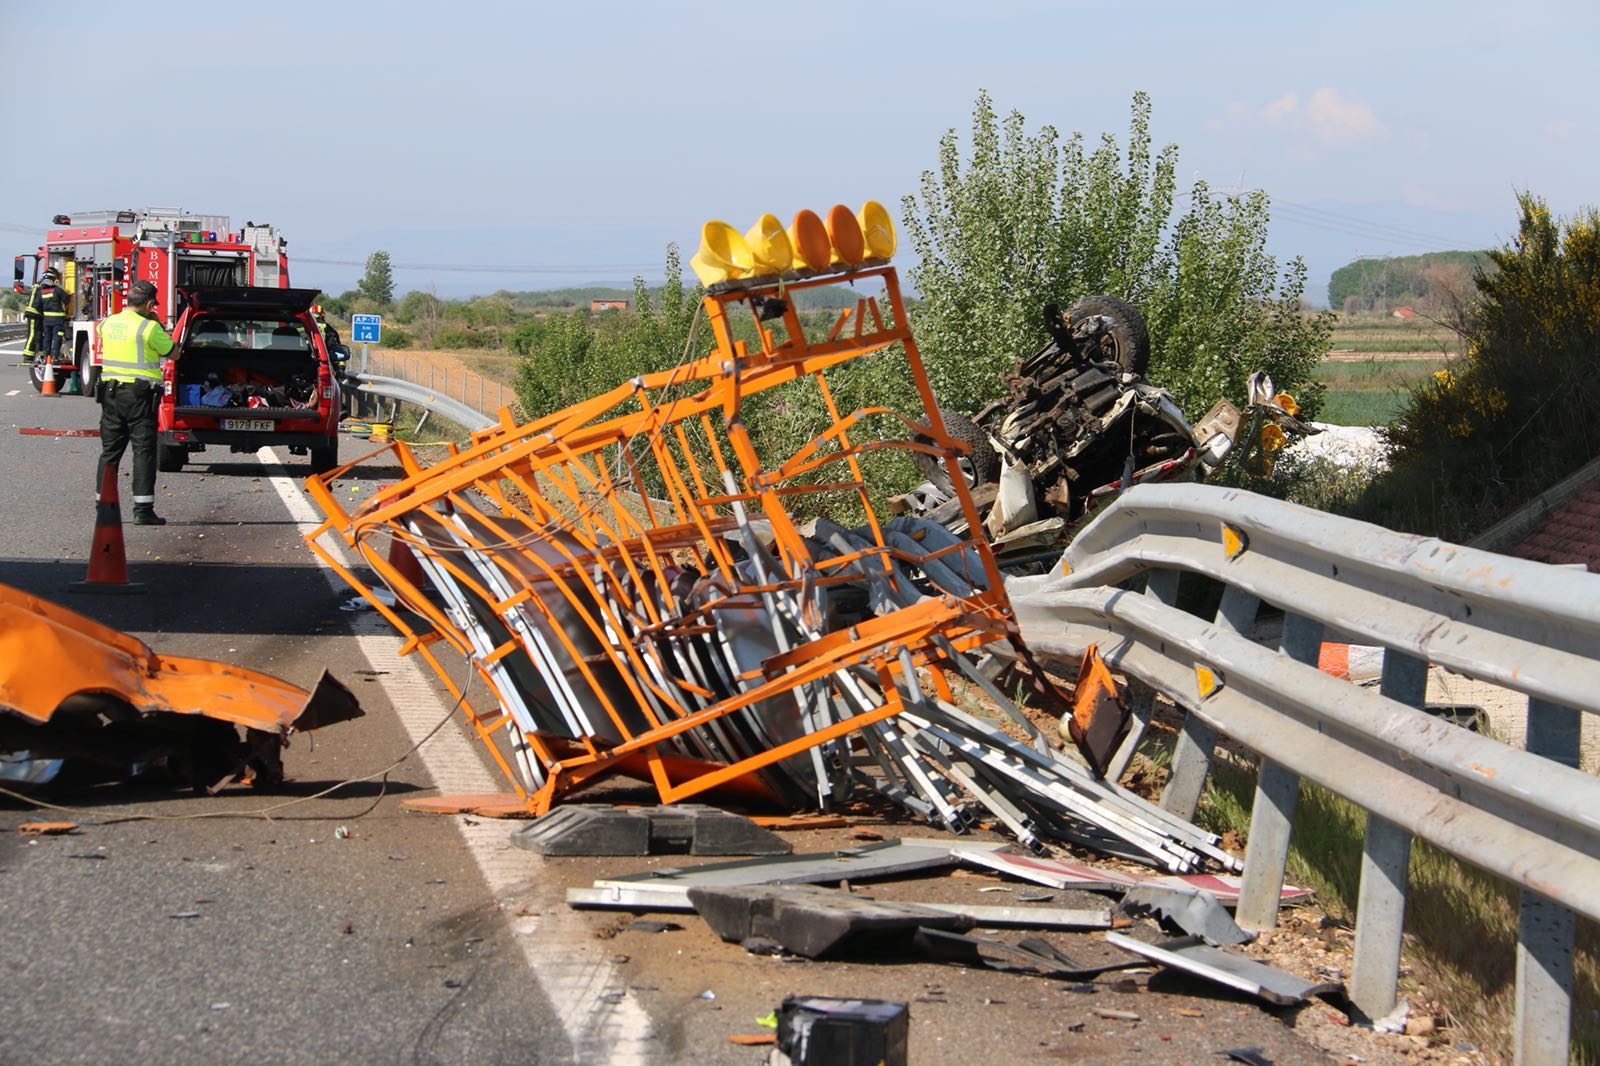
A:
(46, 312)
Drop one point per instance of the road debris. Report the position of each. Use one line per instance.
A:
(73, 689)
(668, 889)
(46, 829)
(1192, 955)
(1189, 910)
(810, 921)
(681, 829)
(1033, 955)
(824, 1031)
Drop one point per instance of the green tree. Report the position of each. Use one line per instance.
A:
(377, 284)
(1028, 219)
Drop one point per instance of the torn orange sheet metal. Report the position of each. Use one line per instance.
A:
(645, 586)
(71, 687)
(1099, 718)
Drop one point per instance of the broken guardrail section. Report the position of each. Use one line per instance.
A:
(640, 591)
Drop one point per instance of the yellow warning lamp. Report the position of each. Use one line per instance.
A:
(844, 233)
(808, 238)
(1285, 401)
(723, 254)
(877, 229)
(1272, 438)
(769, 246)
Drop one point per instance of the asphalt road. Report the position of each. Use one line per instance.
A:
(384, 946)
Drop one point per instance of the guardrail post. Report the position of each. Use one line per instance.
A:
(1277, 793)
(1163, 586)
(1544, 927)
(1385, 868)
(1191, 760)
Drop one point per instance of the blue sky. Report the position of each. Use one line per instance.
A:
(575, 143)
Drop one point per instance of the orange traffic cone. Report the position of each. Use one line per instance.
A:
(108, 561)
(401, 558)
(48, 386)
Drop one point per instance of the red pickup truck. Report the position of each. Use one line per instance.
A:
(249, 368)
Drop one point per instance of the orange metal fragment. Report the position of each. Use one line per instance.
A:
(1099, 718)
(71, 687)
(43, 829)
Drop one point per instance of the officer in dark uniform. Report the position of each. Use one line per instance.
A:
(47, 308)
(132, 343)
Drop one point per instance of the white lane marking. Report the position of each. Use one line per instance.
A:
(560, 951)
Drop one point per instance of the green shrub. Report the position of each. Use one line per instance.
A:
(397, 339)
(452, 338)
(1027, 220)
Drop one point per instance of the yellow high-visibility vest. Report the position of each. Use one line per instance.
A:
(131, 347)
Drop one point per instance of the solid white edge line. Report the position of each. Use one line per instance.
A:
(604, 1021)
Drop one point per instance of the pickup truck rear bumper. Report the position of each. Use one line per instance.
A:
(246, 440)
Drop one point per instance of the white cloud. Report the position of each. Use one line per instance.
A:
(1282, 108)
(1326, 118)
(1338, 120)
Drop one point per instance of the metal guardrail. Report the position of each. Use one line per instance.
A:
(1527, 816)
(428, 399)
(10, 331)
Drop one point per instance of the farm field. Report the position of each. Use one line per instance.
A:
(1375, 360)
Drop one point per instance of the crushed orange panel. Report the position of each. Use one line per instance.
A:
(71, 687)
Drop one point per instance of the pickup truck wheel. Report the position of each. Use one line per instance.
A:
(1127, 341)
(325, 458)
(170, 458)
(982, 467)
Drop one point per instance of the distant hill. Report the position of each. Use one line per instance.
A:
(1382, 283)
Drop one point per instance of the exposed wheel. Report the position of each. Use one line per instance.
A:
(36, 372)
(982, 467)
(1127, 341)
(325, 458)
(88, 373)
(170, 458)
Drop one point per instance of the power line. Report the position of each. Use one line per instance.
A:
(1336, 217)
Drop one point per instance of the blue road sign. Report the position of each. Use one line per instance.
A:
(366, 329)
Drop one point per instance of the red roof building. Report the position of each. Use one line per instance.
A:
(1561, 525)
(1571, 533)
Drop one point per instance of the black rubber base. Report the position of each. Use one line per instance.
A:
(131, 588)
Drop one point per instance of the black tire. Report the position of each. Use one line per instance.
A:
(1128, 342)
(982, 467)
(170, 458)
(88, 373)
(325, 458)
(36, 373)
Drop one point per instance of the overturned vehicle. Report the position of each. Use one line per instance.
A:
(1079, 424)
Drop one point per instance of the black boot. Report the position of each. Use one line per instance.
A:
(144, 514)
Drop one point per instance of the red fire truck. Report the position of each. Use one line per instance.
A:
(101, 253)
